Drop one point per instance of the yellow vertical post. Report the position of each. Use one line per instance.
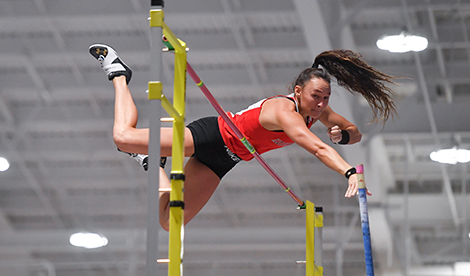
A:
(175, 249)
(177, 111)
(312, 220)
(309, 238)
(318, 241)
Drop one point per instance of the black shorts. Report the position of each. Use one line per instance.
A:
(209, 147)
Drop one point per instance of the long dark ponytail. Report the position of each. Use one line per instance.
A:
(354, 74)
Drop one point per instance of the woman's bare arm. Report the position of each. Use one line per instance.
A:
(336, 123)
(280, 114)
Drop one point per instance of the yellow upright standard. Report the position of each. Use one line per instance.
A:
(177, 111)
(312, 221)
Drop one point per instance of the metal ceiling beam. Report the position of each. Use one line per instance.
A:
(12, 143)
(5, 223)
(420, 6)
(312, 17)
(464, 30)
(59, 40)
(238, 28)
(440, 57)
(20, 26)
(349, 17)
(465, 212)
(215, 239)
(445, 174)
(6, 113)
(35, 185)
(432, 122)
(41, 87)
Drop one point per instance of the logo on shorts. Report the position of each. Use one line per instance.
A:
(232, 155)
(281, 143)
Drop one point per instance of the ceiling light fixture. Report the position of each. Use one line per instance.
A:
(402, 43)
(461, 268)
(4, 164)
(451, 156)
(88, 240)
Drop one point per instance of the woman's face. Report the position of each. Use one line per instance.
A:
(313, 97)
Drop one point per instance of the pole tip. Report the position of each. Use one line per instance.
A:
(302, 207)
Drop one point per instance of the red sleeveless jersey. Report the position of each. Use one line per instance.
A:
(247, 121)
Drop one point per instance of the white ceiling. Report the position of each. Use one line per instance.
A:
(56, 113)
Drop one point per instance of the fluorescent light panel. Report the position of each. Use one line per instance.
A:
(88, 240)
(402, 43)
(451, 156)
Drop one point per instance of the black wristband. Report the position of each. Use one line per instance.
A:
(344, 137)
(350, 172)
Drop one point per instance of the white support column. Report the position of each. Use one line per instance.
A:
(155, 108)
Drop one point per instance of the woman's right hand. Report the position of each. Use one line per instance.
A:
(353, 187)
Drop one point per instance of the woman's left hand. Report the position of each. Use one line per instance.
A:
(335, 134)
(353, 187)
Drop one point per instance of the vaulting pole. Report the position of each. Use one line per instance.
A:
(365, 220)
(241, 137)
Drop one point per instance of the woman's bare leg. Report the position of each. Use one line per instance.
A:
(199, 186)
(126, 136)
(201, 181)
